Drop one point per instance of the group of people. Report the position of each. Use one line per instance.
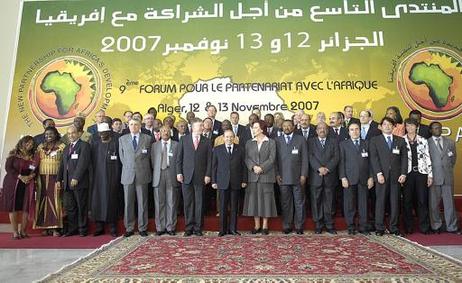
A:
(271, 166)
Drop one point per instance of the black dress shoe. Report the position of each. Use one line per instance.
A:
(143, 233)
(365, 233)
(379, 233)
(265, 232)
(331, 231)
(318, 231)
(171, 233)
(160, 233)
(83, 234)
(287, 231)
(221, 234)
(397, 233)
(69, 234)
(299, 231)
(234, 233)
(98, 233)
(187, 233)
(255, 231)
(198, 233)
(114, 234)
(428, 232)
(351, 232)
(437, 231)
(128, 234)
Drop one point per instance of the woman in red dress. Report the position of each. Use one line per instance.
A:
(18, 185)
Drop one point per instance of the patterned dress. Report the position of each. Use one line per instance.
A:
(48, 207)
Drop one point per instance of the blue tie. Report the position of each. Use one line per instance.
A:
(288, 139)
(357, 144)
(135, 143)
(389, 142)
(363, 133)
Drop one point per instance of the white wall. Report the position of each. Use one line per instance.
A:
(9, 15)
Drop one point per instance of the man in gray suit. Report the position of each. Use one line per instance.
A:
(443, 156)
(134, 152)
(356, 178)
(291, 175)
(323, 156)
(163, 158)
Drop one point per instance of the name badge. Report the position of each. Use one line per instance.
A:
(364, 154)
(395, 151)
(144, 151)
(113, 157)
(294, 151)
(74, 156)
(170, 154)
(215, 132)
(31, 167)
(450, 153)
(53, 153)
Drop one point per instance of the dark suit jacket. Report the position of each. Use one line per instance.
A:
(193, 164)
(240, 130)
(311, 133)
(217, 130)
(274, 132)
(38, 139)
(353, 165)
(343, 135)
(291, 165)
(384, 160)
(75, 168)
(245, 136)
(424, 131)
(323, 157)
(352, 120)
(93, 129)
(174, 134)
(373, 131)
(229, 171)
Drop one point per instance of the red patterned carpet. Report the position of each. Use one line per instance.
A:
(274, 258)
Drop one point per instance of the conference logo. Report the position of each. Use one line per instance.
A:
(63, 88)
(430, 80)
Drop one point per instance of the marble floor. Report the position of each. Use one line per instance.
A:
(28, 265)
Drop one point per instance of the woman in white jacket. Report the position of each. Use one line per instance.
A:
(418, 180)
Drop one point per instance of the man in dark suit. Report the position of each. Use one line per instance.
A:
(307, 130)
(422, 130)
(207, 130)
(291, 175)
(216, 125)
(235, 126)
(389, 164)
(229, 175)
(323, 158)
(338, 133)
(93, 129)
(348, 116)
(336, 130)
(73, 177)
(247, 133)
(271, 130)
(356, 178)
(193, 171)
(369, 128)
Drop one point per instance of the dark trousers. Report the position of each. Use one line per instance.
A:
(389, 192)
(416, 192)
(193, 196)
(100, 226)
(371, 208)
(355, 196)
(229, 201)
(75, 202)
(321, 205)
(292, 206)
